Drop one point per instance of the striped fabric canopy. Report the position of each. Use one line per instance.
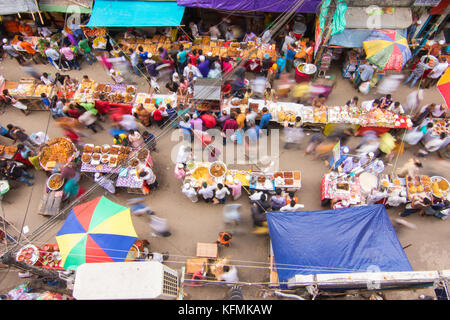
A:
(387, 49)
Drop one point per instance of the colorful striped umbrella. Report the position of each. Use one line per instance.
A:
(443, 86)
(96, 231)
(387, 49)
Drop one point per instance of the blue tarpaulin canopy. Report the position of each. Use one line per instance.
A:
(124, 13)
(357, 239)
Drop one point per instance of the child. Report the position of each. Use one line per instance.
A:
(45, 101)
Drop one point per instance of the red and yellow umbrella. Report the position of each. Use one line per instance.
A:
(443, 86)
(96, 231)
(387, 49)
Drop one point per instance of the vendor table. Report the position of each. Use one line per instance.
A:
(128, 179)
(329, 190)
(28, 92)
(7, 152)
(102, 168)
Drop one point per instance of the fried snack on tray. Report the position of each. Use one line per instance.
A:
(55, 182)
(58, 150)
(86, 158)
(114, 150)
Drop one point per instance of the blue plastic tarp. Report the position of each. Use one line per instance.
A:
(123, 13)
(356, 239)
(353, 38)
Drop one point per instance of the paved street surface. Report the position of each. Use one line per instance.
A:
(199, 222)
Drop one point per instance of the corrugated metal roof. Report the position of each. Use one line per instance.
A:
(207, 89)
(17, 6)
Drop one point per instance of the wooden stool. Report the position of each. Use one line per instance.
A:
(207, 250)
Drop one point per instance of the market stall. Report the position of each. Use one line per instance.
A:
(217, 172)
(57, 153)
(28, 92)
(47, 256)
(114, 92)
(218, 48)
(285, 180)
(149, 101)
(426, 186)
(340, 187)
(207, 95)
(7, 152)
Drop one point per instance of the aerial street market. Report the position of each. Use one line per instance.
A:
(224, 150)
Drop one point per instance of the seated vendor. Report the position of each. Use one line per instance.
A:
(319, 101)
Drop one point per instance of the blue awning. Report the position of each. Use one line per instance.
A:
(335, 241)
(123, 13)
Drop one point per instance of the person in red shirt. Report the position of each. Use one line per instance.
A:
(193, 56)
(72, 135)
(226, 89)
(103, 106)
(229, 127)
(74, 112)
(209, 121)
(157, 116)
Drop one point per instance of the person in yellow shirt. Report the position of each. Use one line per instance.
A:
(240, 118)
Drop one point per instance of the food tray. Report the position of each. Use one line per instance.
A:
(308, 114)
(437, 179)
(96, 162)
(414, 186)
(53, 176)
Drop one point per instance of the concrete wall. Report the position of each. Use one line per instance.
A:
(380, 3)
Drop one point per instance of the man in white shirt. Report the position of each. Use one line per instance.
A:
(191, 68)
(221, 193)
(370, 105)
(190, 192)
(396, 108)
(289, 39)
(183, 154)
(46, 79)
(267, 36)
(214, 32)
(436, 73)
(230, 275)
(229, 36)
(194, 29)
(206, 192)
(52, 56)
(256, 196)
(149, 177)
(292, 207)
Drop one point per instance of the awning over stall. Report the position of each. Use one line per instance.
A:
(308, 6)
(65, 6)
(108, 13)
(353, 38)
(17, 6)
(356, 239)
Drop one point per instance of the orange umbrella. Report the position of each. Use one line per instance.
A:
(443, 86)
